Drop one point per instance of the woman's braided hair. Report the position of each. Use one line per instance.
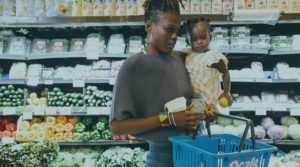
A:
(190, 24)
(154, 8)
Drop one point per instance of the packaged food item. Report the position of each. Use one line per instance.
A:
(109, 8)
(87, 8)
(219, 42)
(48, 73)
(240, 42)
(40, 8)
(195, 6)
(135, 44)
(294, 6)
(77, 45)
(272, 4)
(206, 7)
(34, 71)
(116, 44)
(119, 8)
(219, 32)
(59, 45)
(50, 8)
(217, 6)
(140, 7)
(227, 6)
(131, 7)
(64, 7)
(249, 4)
(95, 42)
(281, 43)
(1, 8)
(98, 6)
(1, 44)
(18, 46)
(239, 5)
(240, 31)
(9, 7)
(261, 41)
(25, 8)
(261, 4)
(186, 7)
(180, 44)
(284, 6)
(77, 8)
(18, 71)
(40, 46)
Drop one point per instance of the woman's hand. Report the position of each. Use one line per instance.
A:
(187, 118)
(210, 111)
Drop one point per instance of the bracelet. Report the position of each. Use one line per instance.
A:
(164, 119)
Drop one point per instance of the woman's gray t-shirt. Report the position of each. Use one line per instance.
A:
(144, 84)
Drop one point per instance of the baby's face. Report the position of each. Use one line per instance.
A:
(200, 37)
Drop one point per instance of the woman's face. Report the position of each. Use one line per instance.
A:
(200, 37)
(164, 32)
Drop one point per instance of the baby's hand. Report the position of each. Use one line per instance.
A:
(225, 100)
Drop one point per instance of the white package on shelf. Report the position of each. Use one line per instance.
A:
(99, 74)
(18, 71)
(82, 72)
(296, 42)
(102, 64)
(34, 71)
(65, 73)
(116, 44)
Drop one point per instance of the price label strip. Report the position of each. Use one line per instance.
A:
(93, 111)
(7, 140)
(9, 111)
(33, 81)
(39, 110)
(51, 111)
(78, 83)
(295, 111)
(27, 115)
(48, 82)
(112, 81)
(260, 111)
(65, 111)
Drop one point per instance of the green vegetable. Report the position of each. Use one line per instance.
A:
(86, 136)
(100, 126)
(95, 135)
(87, 121)
(106, 135)
(79, 127)
(103, 119)
(77, 136)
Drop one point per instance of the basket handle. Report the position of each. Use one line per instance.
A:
(249, 123)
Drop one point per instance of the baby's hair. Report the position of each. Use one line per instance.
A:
(154, 8)
(190, 24)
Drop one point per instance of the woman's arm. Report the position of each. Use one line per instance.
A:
(184, 119)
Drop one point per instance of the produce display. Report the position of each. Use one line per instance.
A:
(292, 159)
(11, 96)
(8, 127)
(58, 128)
(91, 128)
(97, 98)
(122, 156)
(28, 154)
(76, 157)
(58, 98)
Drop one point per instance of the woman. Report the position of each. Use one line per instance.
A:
(150, 79)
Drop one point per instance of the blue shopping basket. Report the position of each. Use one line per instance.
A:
(222, 150)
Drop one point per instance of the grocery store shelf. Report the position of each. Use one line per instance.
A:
(267, 141)
(102, 143)
(291, 52)
(111, 55)
(12, 82)
(287, 142)
(12, 57)
(260, 108)
(55, 56)
(245, 51)
(67, 111)
(57, 22)
(257, 80)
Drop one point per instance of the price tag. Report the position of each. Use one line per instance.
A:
(51, 111)
(92, 55)
(39, 110)
(78, 83)
(27, 115)
(260, 111)
(295, 111)
(9, 111)
(112, 81)
(65, 111)
(7, 140)
(48, 82)
(92, 111)
(33, 81)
